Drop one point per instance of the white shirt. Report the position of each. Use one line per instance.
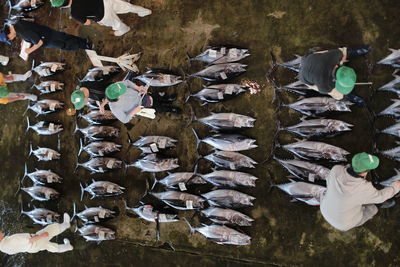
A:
(16, 244)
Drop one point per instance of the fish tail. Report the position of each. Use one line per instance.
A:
(82, 191)
(76, 127)
(22, 210)
(189, 95)
(192, 116)
(28, 124)
(80, 147)
(27, 108)
(155, 181)
(30, 149)
(192, 230)
(147, 190)
(198, 140)
(74, 211)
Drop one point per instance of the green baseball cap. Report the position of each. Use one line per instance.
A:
(78, 99)
(3, 91)
(115, 90)
(345, 80)
(363, 162)
(57, 3)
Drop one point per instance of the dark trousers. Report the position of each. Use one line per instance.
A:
(161, 104)
(64, 41)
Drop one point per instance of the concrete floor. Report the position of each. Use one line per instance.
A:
(284, 233)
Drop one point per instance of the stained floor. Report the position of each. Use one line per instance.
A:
(285, 233)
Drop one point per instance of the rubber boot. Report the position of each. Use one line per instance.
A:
(359, 51)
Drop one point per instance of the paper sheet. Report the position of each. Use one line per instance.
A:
(24, 46)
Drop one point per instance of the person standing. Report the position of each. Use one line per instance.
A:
(104, 12)
(42, 36)
(25, 242)
(7, 97)
(350, 199)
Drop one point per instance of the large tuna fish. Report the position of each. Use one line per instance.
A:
(305, 192)
(154, 143)
(393, 59)
(97, 132)
(318, 128)
(222, 235)
(27, 5)
(392, 179)
(44, 154)
(102, 189)
(45, 128)
(42, 216)
(230, 179)
(393, 86)
(47, 87)
(180, 200)
(97, 233)
(94, 214)
(220, 72)
(226, 121)
(181, 180)
(97, 117)
(222, 54)
(101, 164)
(393, 130)
(227, 216)
(46, 106)
(227, 142)
(317, 150)
(49, 68)
(101, 73)
(393, 153)
(154, 163)
(99, 148)
(148, 213)
(228, 198)
(298, 87)
(159, 78)
(293, 65)
(392, 110)
(304, 170)
(42, 176)
(231, 160)
(41, 193)
(315, 106)
(218, 92)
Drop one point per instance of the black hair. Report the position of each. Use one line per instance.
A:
(112, 100)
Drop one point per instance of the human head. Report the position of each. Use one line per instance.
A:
(363, 162)
(115, 90)
(79, 99)
(57, 3)
(345, 80)
(3, 91)
(1, 236)
(5, 35)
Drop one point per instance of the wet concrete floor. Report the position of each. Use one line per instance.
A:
(285, 233)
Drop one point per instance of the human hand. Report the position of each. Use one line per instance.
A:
(45, 234)
(88, 22)
(396, 183)
(28, 51)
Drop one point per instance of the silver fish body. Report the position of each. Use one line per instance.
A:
(99, 148)
(225, 178)
(228, 198)
(28, 5)
(48, 87)
(305, 170)
(393, 59)
(392, 179)
(154, 163)
(100, 73)
(97, 233)
(228, 121)
(43, 176)
(392, 110)
(317, 150)
(180, 200)
(41, 193)
(172, 180)
(45, 128)
(42, 216)
(154, 143)
(102, 164)
(97, 117)
(230, 160)
(102, 189)
(318, 105)
(148, 213)
(49, 68)
(157, 78)
(46, 106)
(222, 54)
(393, 86)
(45, 154)
(227, 142)
(297, 87)
(319, 128)
(218, 92)
(393, 130)
(94, 214)
(305, 192)
(227, 216)
(393, 153)
(220, 72)
(98, 132)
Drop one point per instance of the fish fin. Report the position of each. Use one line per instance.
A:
(30, 149)
(157, 229)
(198, 141)
(80, 146)
(74, 211)
(28, 124)
(192, 230)
(397, 171)
(82, 191)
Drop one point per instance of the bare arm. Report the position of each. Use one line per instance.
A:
(38, 237)
(135, 111)
(34, 47)
(378, 196)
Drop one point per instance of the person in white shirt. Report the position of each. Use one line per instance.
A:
(25, 242)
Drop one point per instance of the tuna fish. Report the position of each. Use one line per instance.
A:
(44, 154)
(46, 106)
(148, 213)
(42, 176)
(101, 164)
(27, 5)
(47, 87)
(41, 193)
(42, 216)
(152, 144)
(228, 198)
(230, 160)
(315, 106)
(181, 180)
(97, 117)
(95, 132)
(317, 150)
(49, 68)
(222, 235)
(227, 142)
(393, 153)
(318, 128)
(99, 148)
(45, 128)
(393, 86)
(230, 179)
(101, 73)
(392, 110)
(97, 233)
(305, 192)
(392, 179)
(154, 163)
(180, 200)
(159, 78)
(227, 121)
(393, 59)
(227, 216)
(293, 65)
(222, 54)
(220, 72)
(393, 130)
(94, 214)
(218, 92)
(304, 170)
(298, 87)
(102, 189)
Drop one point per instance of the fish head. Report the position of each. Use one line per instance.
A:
(342, 106)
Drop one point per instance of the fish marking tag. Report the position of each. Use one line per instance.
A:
(101, 169)
(102, 214)
(109, 189)
(101, 235)
(50, 179)
(105, 72)
(311, 177)
(162, 143)
(50, 155)
(52, 87)
(233, 53)
(162, 217)
(48, 218)
(53, 68)
(51, 127)
(220, 95)
(96, 219)
(223, 75)
(147, 210)
(212, 53)
(167, 79)
(101, 153)
(33, 3)
(223, 50)
(154, 148)
(189, 204)
(232, 166)
(52, 106)
(229, 89)
(110, 164)
(47, 195)
(182, 186)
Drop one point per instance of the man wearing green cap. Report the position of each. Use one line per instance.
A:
(350, 199)
(323, 71)
(93, 90)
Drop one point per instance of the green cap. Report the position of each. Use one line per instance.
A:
(345, 80)
(78, 99)
(363, 162)
(115, 90)
(3, 91)
(57, 3)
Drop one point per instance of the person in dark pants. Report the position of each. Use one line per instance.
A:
(42, 36)
(323, 71)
